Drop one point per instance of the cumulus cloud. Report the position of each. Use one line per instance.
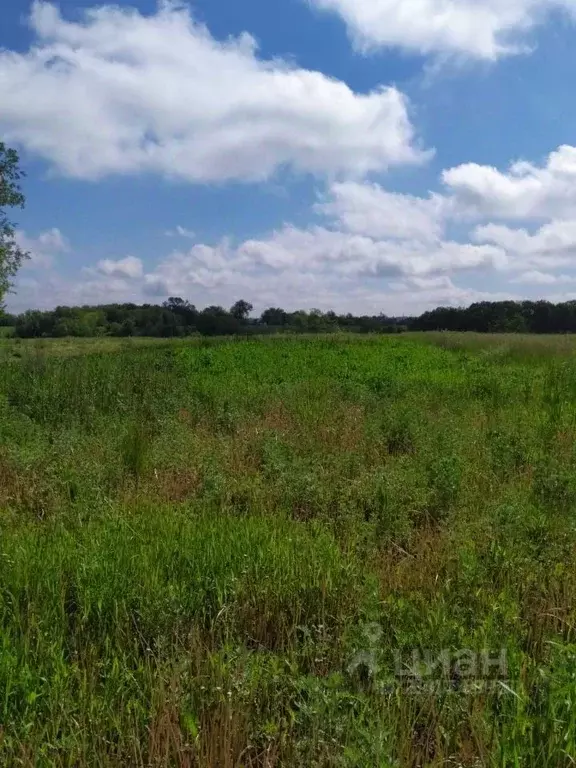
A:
(371, 234)
(374, 245)
(129, 267)
(230, 276)
(118, 92)
(44, 248)
(56, 289)
(442, 282)
(483, 29)
(291, 290)
(525, 191)
(429, 293)
(552, 245)
(535, 277)
(293, 268)
(369, 209)
(299, 263)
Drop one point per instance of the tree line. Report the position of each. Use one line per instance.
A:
(178, 317)
(501, 317)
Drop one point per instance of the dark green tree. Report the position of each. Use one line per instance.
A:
(274, 316)
(241, 309)
(11, 255)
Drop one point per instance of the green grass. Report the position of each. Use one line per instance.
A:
(233, 553)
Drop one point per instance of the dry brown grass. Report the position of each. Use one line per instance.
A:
(175, 484)
(421, 567)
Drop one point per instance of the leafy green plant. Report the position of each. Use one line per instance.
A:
(195, 536)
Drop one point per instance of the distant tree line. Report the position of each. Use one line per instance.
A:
(501, 317)
(177, 317)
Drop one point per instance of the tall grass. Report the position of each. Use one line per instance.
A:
(240, 553)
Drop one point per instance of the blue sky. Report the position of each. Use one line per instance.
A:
(361, 155)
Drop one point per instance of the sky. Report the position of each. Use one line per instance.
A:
(365, 156)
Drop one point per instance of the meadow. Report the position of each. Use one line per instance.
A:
(311, 551)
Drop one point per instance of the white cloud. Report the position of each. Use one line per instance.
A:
(349, 254)
(373, 241)
(419, 294)
(54, 289)
(369, 209)
(553, 245)
(442, 282)
(525, 191)
(534, 277)
(374, 236)
(415, 258)
(291, 268)
(129, 267)
(290, 290)
(305, 261)
(120, 92)
(44, 248)
(373, 246)
(179, 231)
(484, 29)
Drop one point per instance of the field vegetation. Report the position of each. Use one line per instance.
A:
(238, 553)
(177, 318)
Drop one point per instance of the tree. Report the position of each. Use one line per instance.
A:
(216, 321)
(241, 310)
(11, 255)
(179, 306)
(274, 316)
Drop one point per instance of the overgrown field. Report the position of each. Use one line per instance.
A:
(242, 553)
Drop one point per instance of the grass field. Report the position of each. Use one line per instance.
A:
(329, 551)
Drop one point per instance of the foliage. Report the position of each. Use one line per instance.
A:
(234, 552)
(501, 317)
(177, 318)
(241, 309)
(11, 255)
